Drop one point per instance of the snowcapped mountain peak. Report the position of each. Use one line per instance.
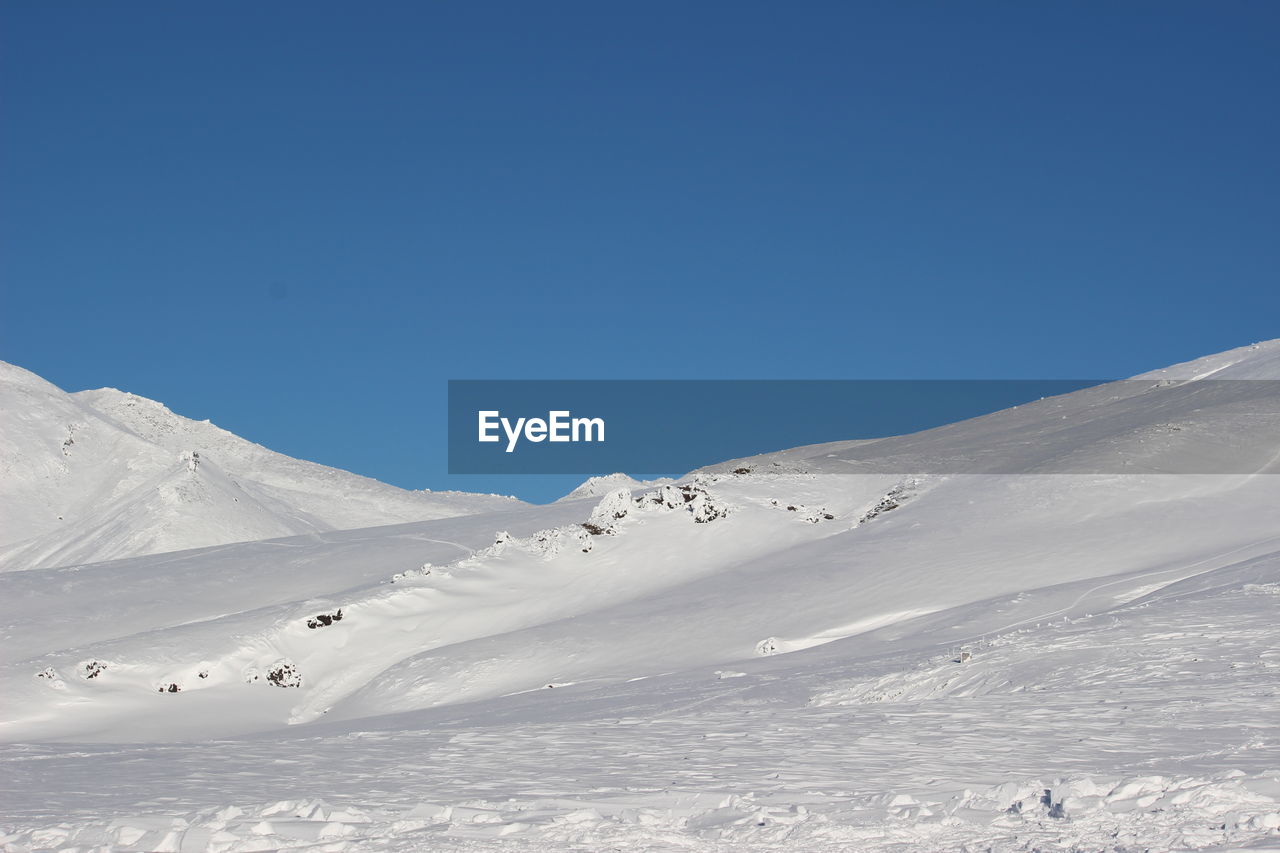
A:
(13, 377)
(153, 420)
(106, 474)
(594, 487)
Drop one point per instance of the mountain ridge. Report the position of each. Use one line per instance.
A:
(105, 474)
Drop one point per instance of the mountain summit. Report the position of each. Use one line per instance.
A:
(100, 475)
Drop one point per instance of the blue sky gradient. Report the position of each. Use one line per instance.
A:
(300, 219)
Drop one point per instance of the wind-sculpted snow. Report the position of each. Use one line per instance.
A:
(1148, 812)
(1129, 732)
(771, 654)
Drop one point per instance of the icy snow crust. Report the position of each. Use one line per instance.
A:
(778, 658)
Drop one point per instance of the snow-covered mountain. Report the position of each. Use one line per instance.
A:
(99, 475)
(805, 650)
(1207, 416)
(595, 487)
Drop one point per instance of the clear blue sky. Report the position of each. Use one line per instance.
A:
(300, 219)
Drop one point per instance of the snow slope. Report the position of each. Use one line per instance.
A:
(805, 656)
(1157, 423)
(99, 475)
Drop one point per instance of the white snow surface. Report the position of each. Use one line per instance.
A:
(100, 475)
(1165, 422)
(598, 486)
(788, 658)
